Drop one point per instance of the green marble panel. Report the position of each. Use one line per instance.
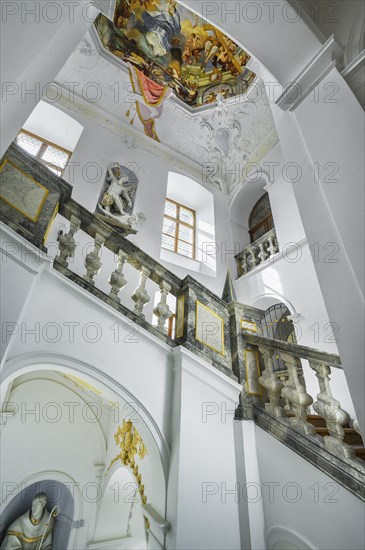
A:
(21, 191)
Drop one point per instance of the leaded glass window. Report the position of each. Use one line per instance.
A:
(178, 231)
(53, 156)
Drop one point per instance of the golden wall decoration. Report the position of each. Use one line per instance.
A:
(130, 443)
(251, 326)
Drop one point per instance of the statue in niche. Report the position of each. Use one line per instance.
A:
(33, 530)
(117, 200)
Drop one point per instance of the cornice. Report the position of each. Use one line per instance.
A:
(131, 136)
(327, 57)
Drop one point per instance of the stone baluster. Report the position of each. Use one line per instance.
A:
(271, 383)
(330, 409)
(117, 280)
(262, 252)
(162, 310)
(244, 264)
(273, 248)
(66, 243)
(252, 252)
(92, 260)
(140, 296)
(356, 427)
(283, 376)
(295, 392)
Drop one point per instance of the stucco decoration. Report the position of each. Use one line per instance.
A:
(191, 140)
(234, 136)
(131, 445)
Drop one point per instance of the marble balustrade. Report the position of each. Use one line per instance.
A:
(257, 252)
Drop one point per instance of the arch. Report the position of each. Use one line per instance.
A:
(119, 492)
(260, 220)
(188, 192)
(18, 501)
(54, 125)
(242, 201)
(280, 537)
(23, 364)
(264, 301)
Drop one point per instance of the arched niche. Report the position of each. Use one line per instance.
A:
(57, 487)
(241, 204)
(260, 220)
(154, 468)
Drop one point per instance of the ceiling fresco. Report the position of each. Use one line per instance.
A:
(175, 48)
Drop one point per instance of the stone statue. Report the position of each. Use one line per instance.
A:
(32, 530)
(117, 201)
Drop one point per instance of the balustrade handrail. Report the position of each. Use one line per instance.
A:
(255, 243)
(303, 352)
(114, 241)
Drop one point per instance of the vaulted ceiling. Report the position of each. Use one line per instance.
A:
(218, 140)
(176, 48)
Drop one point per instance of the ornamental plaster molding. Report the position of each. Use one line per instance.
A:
(225, 135)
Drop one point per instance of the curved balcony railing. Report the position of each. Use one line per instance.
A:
(257, 252)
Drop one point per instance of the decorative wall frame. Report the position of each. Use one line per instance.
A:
(180, 306)
(21, 191)
(251, 359)
(251, 326)
(204, 319)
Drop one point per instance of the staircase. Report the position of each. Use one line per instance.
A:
(351, 437)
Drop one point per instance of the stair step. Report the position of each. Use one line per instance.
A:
(351, 435)
(316, 420)
(360, 452)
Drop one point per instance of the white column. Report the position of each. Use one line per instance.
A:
(203, 491)
(326, 208)
(37, 38)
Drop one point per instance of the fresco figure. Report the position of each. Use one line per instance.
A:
(175, 48)
(161, 25)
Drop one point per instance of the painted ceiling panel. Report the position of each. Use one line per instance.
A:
(176, 48)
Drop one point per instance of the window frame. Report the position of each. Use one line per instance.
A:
(177, 225)
(267, 222)
(43, 148)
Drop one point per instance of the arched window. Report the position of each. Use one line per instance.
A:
(260, 220)
(51, 136)
(188, 227)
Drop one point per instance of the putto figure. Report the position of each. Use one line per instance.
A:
(33, 530)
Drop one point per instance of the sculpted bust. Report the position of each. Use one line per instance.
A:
(33, 529)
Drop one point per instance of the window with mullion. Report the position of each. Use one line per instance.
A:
(53, 156)
(178, 233)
